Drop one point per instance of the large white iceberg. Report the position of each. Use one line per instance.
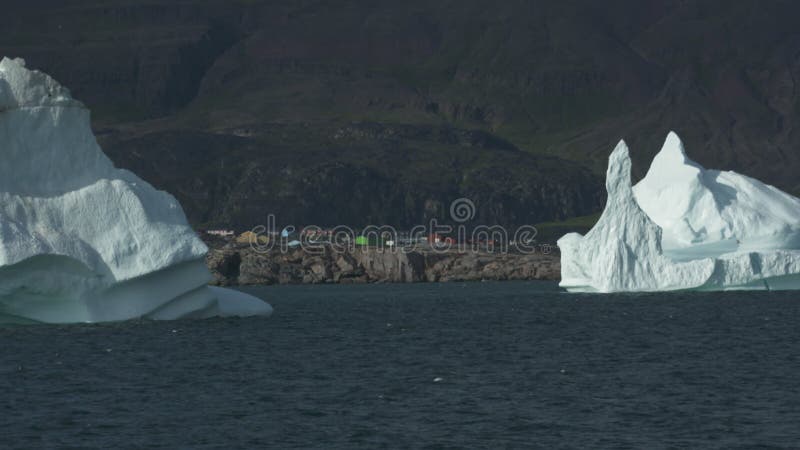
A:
(685, 227)
(83, 241)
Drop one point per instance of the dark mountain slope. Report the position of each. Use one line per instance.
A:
(358, 175)
(362, 111)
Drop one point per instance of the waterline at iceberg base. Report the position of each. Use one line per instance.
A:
(683, 227)
(83, 241)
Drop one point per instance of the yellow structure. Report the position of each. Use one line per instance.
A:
(248, 237)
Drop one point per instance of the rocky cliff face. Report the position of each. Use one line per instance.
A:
(127, 60)
(356, 112)
(242, 265)
(357, 175)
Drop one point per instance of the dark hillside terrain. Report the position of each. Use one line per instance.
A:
(362, 112)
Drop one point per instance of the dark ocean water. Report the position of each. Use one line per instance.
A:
(479, 365)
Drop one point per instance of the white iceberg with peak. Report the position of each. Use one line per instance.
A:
(83, 241)
(685, 227)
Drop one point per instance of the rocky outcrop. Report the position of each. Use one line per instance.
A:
(233, 265)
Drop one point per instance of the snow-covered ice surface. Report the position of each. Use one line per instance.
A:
(83, 241)
(685, 227)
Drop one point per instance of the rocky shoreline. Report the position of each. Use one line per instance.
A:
(234, 264)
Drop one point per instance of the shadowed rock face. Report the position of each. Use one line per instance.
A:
(234, 181)
(416, 103)
(232, 265)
